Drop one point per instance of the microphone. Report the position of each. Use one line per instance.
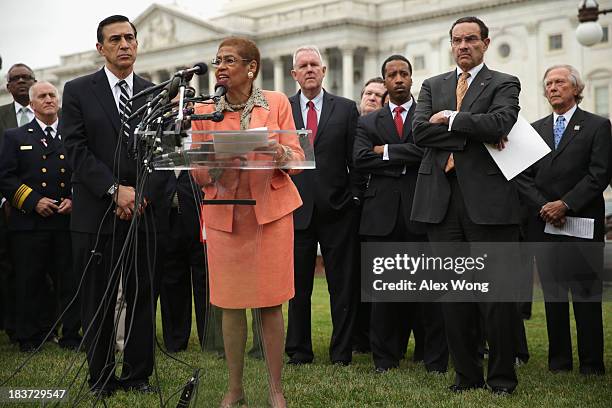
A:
(198, 69)
(220, 90)
(169, 91)
(170, 159)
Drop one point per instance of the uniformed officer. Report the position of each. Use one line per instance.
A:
(35, 178)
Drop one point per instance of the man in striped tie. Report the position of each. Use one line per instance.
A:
(97, 135)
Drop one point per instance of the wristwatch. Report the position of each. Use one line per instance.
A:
(112, 190)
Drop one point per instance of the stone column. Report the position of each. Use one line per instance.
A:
(155, 77)
(347, 71)
(370, 65)
(211, 81)
(279, 75)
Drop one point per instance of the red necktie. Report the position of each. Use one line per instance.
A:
(399, 124)
(311, 121)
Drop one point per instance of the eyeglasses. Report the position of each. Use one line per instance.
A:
(25, 77)
(229, 61)
(470, 39)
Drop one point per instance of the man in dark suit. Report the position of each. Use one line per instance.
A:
(330, 213)
(183, 267)
(462, 195)
(19, 79)
(104, 203)
(35, 176)
(570, 181)
(384, 147)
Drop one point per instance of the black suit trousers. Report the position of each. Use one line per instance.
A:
(392, 322)
(183, 269)
(99, 293)
(573, 267)
(339, 240)
(36, 254)
(462, 320)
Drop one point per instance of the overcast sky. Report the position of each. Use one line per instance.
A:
(38, 32)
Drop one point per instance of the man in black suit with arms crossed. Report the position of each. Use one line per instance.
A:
(104, 183)
(384, 147)
(330, 214)
(570, 181)
(462, 195)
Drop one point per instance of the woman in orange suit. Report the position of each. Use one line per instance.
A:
(250, 248)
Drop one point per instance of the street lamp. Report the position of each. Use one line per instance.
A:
(589, 32)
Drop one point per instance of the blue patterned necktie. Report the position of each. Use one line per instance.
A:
(559, 129)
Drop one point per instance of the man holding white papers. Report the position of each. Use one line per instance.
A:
(462, 195)
(571, 180)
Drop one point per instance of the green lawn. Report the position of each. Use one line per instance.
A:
(322, 385)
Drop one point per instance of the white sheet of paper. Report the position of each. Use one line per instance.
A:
(573, 227)
(241, 143)
(523, 148)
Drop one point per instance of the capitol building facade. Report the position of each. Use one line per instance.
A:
(355, 36)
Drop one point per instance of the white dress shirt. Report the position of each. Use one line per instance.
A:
(473, 72)
(392, 107)
(44, 126)
(116, 89)
(29, 112)
(318, 105)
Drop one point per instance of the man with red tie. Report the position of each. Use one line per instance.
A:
(384, 147)
(330, 214)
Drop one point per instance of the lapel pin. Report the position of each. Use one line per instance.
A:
(577, 127)
(44, 142)
(30, 130)
(482, 84)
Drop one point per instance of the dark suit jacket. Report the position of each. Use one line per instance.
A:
(389, 192)
(90, 125)
(29, 171)
(577, 172)
(189, 201)
(488, 112)
(8, 118)
(333, 184)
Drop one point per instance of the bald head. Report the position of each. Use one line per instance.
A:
(44, 100)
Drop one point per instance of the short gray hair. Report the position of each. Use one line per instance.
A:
(574, 77)
(312, 48)
(19, 64)
(31, 90)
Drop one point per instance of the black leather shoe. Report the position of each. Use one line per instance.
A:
(296, 362)
(381, 370)
(142, 387)
(591, 371)
(104, 390)
(501, 391)
(461, 388)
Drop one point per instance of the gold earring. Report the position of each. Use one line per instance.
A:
(250, 75)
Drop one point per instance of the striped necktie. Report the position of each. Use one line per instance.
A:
(125, 107)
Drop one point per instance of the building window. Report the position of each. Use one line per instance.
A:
(606, 35)
(602, 101)
(504, 50)
(555, 42)
(419, 63)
